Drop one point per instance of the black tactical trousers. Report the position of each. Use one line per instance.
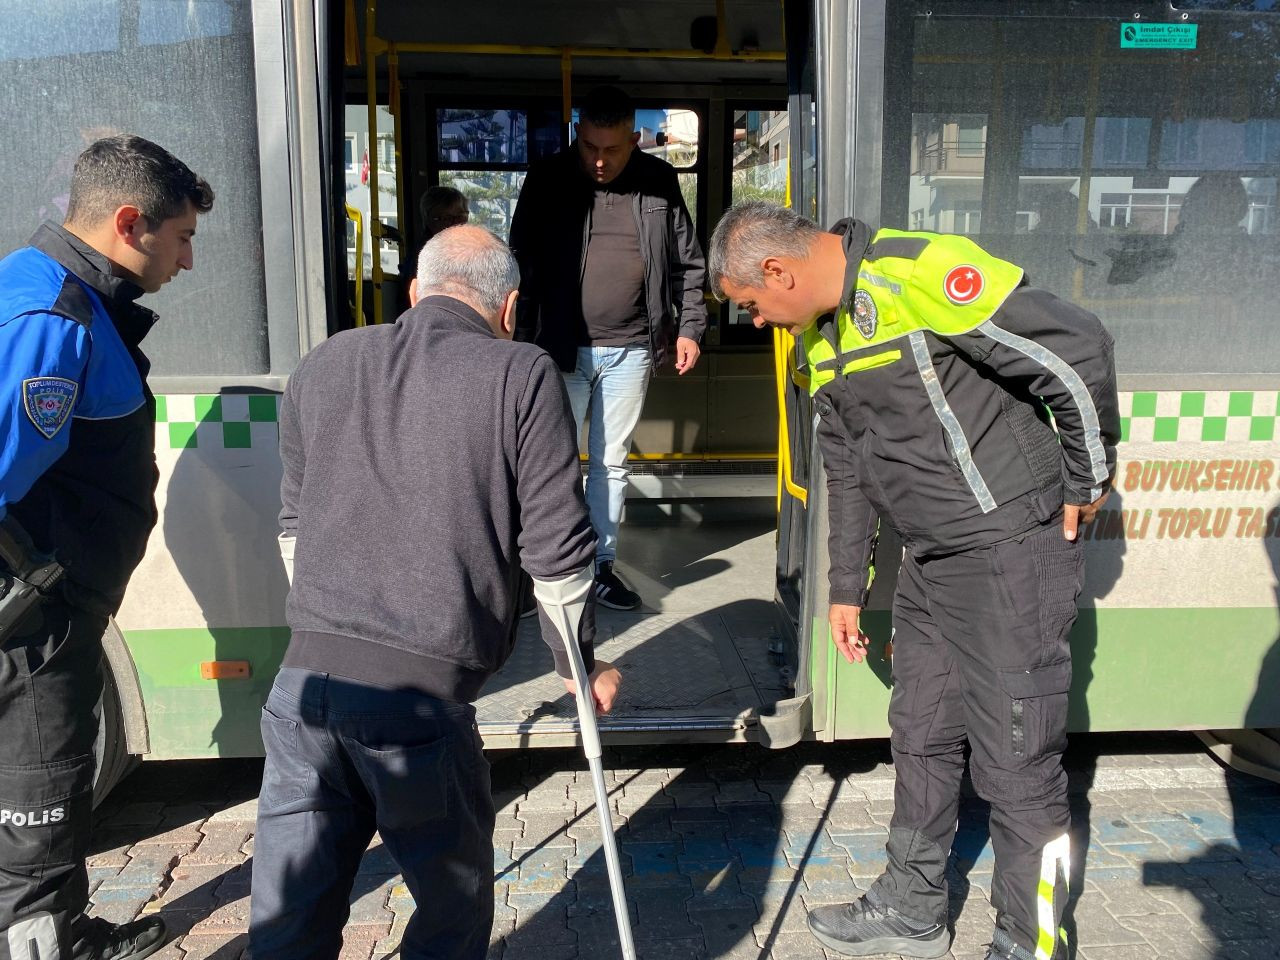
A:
(980, 653)
(346, 758)
(50, 684)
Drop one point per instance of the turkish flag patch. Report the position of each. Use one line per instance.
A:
(963, 284)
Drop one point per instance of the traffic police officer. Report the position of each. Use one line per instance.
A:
(939, 377)
(78, 474)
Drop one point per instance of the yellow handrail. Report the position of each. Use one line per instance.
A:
(784, 345)
(357, 218)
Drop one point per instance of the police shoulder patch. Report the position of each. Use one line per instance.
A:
(864, 314)
(49, 402)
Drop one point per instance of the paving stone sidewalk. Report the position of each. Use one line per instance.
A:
(726, 847)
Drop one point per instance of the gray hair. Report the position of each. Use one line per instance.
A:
(750, 232)
(471, 262)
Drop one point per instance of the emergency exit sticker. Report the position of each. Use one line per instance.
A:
(1158, 36)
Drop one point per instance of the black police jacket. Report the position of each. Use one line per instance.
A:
(960, 440)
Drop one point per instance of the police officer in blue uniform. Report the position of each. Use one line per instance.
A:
(78, 475)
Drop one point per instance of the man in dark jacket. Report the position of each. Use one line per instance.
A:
(78, 473)
(606, 248)
(422, 460)
(939, 378)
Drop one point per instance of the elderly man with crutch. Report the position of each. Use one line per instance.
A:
(424, 461)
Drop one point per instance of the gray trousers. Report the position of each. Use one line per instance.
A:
(980, 653)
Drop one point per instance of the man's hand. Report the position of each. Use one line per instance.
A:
(687, 353)
(845, 633)
(605, 680)
(1075, 516)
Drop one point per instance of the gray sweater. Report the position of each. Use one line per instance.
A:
(424, 461)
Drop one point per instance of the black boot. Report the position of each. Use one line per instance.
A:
(96, 939)
(866, 928)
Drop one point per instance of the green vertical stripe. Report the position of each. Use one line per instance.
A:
(236, 436)
(182, 436)
(1166, 429)
(1144, 404)
(262, 408)
(1192, 405)
(208, 408)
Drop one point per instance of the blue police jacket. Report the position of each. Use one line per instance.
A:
(77, 435)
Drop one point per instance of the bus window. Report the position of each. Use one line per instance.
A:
(673, 134)
(484, 152)
(491, 195)
(1138, 183)
(361, 155)
(75, 73)
(760, 151)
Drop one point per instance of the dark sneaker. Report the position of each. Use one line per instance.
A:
(612, 592)
(1003, 947)
(97, 939)
(865, 928)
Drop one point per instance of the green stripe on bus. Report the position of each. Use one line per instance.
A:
(1112, 649)
(205, 718)
(217, 420)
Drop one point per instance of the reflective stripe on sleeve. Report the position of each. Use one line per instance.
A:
(959, 443)
(1079, 395)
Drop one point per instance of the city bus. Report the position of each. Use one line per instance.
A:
(1125, 155)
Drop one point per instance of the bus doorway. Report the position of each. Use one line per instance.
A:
(470, 100)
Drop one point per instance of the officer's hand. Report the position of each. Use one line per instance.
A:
(845, 633)
(687, 353)
(1075, 516)
(605, 681)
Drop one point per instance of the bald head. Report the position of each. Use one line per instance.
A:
(472, 265)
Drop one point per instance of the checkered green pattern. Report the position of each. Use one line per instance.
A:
(1168, 417)
(227, 420)
(238, 420)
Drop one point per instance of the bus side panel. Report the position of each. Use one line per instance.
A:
(1178, 624)
(211, 586)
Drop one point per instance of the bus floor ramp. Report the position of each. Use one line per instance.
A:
(686, 677)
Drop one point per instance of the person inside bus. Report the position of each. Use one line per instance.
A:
(370, 724)
(78, 473)
(935, 369)
(441, 207)
(606, 247)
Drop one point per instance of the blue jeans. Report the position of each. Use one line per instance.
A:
(610, 384)
(345, 758)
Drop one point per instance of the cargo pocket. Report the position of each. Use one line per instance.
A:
(1037, 710)
(1059, 566)
(284, 777)
(45, 813)
(410, 785)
